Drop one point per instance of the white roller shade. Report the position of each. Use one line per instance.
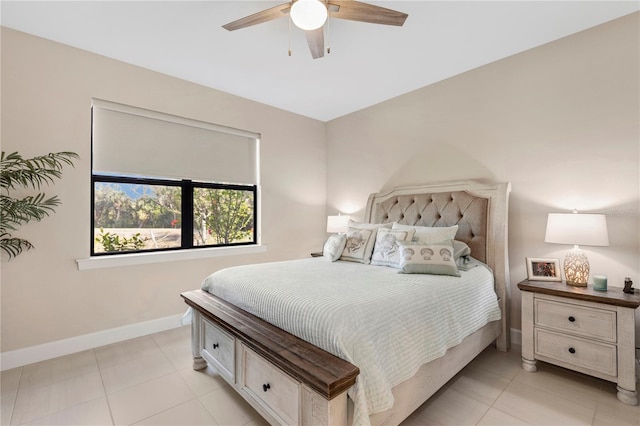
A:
(135, 141)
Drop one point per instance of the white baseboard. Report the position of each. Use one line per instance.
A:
(25, 356)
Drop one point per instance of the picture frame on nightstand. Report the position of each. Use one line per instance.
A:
(539, 269)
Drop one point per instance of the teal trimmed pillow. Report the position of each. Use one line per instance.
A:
(434, 259)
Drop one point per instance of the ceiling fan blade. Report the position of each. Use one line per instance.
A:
(363, 12)
(315, 38)
(260, 17)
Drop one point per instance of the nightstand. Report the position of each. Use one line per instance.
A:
(581, 329)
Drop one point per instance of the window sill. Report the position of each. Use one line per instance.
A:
(100, 262)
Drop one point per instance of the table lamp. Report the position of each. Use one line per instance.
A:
(577, 229)
(337, 224)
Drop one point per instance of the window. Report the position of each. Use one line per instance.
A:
(162, 182)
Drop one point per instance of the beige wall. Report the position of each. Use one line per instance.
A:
(560, 122)
(46, 97)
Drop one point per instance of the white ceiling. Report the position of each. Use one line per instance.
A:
(368, 63)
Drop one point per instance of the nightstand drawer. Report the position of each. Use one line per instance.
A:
(575, 352)
(271, 388)
(578, 320)
(219, 349)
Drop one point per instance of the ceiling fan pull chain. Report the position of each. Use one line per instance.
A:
(289, 34)
(328, 35)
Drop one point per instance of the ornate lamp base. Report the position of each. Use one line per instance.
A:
(576, 268)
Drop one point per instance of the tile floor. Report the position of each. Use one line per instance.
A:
(149, 381)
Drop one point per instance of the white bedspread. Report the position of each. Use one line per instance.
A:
(387, 324)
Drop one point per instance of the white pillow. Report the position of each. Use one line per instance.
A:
(365, 225)
(334, 246)
(430, 234)
(386, 251)
(435, 259)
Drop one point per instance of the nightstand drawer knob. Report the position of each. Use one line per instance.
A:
(572, 319)
(266, 387)
(572, 351)
(215, 346)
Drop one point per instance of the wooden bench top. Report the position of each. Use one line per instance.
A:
(321, 371)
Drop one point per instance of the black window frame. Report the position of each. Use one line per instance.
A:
(186, 227)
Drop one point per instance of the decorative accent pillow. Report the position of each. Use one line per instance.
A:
(386, 251)
(460, 249)
(430, 234)
(359, 245)
(334, 246)
(352, 251)
(435, 259)
(465, 263)
(462, 255)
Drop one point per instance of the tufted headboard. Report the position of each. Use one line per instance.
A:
(480, 211)
(440, 209)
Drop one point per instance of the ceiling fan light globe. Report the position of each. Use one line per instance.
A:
(308, 14)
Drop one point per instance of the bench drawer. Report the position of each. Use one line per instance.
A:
(219, 349)
(274, 390)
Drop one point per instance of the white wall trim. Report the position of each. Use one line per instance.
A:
(25, 356)
(118, 260)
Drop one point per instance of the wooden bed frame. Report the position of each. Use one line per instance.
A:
(314, 383)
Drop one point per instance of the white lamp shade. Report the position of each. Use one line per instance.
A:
(577, 229)
(308, 14)
(337, 223)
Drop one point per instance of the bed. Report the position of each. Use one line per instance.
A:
(321, 371)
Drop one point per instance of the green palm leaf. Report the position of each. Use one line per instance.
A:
(17, 172)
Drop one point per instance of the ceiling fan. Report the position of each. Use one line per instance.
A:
(311, 15)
